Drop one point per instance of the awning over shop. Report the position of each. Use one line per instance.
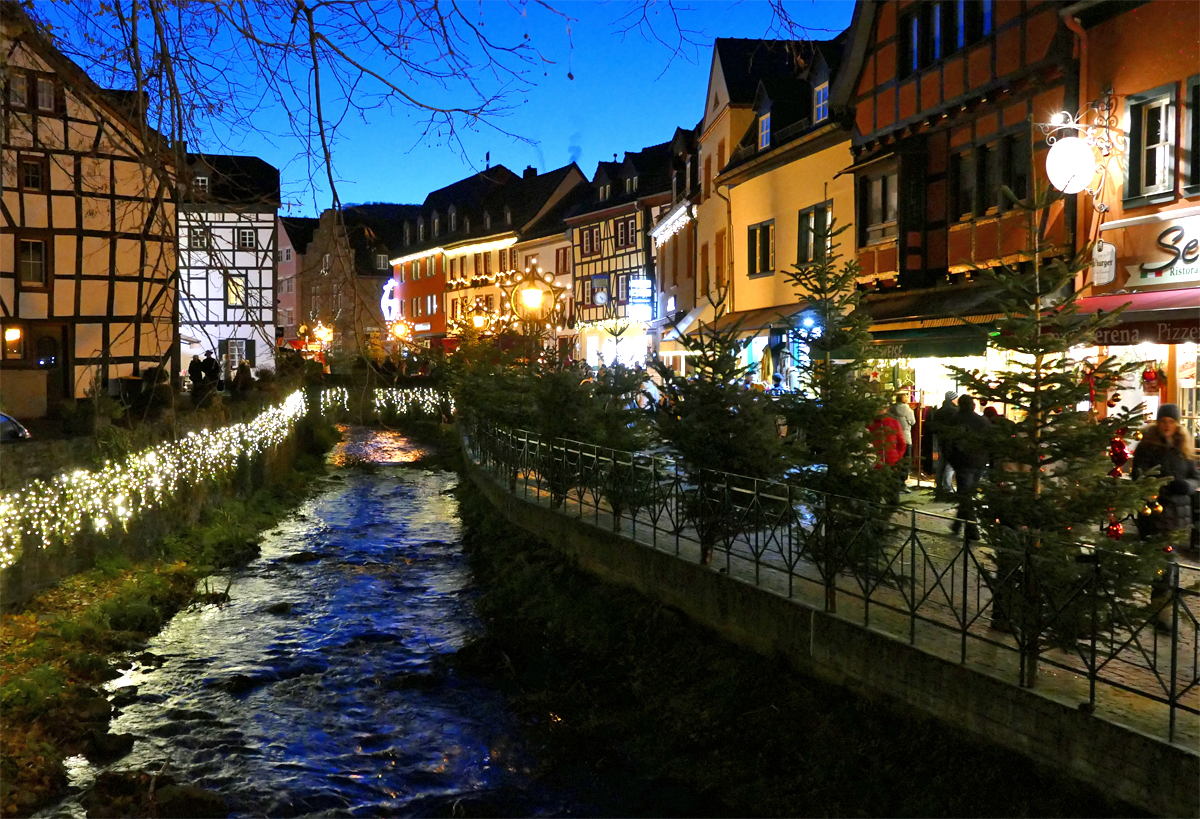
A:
(1158, 317)
(932, 323)
(752, 321)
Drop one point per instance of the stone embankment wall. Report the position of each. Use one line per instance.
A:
(1161, 777)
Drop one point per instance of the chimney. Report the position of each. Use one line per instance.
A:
(530, 172)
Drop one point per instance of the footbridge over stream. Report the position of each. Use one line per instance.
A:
(919, 623)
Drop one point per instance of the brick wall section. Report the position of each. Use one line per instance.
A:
(1142, 770)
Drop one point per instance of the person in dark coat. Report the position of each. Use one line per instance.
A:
(242, 380)
(210, 367)
(1167, 448)
(195, 372)
(969, 457)
(942, 422)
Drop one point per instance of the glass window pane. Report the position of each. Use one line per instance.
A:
(1151, 176)
(1152, 130)
(45, 94)
(875, 215)
(18, 91)
(892, 194)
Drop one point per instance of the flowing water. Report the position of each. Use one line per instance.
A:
(322, 687)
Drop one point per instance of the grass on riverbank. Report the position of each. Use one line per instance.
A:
(55, 653)
(629, 684)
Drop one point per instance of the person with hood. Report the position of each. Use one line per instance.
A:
(941, 423)
(195, 372)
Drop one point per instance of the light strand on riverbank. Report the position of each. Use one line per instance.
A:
(404, 401)
(335, 398)
(58, 510)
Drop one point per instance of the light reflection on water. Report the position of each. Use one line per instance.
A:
(345, 704)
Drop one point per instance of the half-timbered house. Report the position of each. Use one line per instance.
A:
(615, 276)
(227, 259)
(87, 248)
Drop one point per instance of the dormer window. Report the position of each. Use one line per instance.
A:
(487, 221)
(764, 131)
(507, 215)
(605, 191)
(407, 234)
(628, 186)
(821, 102)
(437, 224)
(467, 224)
(687, 175)
(201, 183)
(453, 219)
(635, 183)
(421, 229)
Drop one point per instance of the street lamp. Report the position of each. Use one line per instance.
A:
(400, 331)
(323, 334)
(1071, 161)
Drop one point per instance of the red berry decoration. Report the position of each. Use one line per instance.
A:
(1114, 529)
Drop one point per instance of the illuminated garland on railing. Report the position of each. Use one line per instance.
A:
(403, 401)
(58, 510)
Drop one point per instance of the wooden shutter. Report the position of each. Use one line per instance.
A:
(250, 352)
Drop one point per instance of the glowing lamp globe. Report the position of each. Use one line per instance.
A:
(1070, 164)
(479, 320)
(12, 334)
(531, 297)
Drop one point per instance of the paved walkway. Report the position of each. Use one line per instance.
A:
(938, 600)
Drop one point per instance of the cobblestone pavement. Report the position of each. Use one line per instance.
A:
(937, 598)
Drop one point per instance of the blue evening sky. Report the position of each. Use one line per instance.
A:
(628, 91)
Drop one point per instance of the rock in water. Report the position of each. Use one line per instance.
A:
(125, 695)
(279, 608)
(106, 747)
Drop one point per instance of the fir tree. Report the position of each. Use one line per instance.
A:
(1050, 490)
(722, 432)
(827, 420)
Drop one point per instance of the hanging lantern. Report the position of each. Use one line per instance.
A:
(1071, 164)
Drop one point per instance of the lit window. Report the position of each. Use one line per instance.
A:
(670, 304)
(246, 239)
(821, 102)
(14, 342)
(201, 183)
(764, 131)
(33, 262)
(45, 94)
(235, 291)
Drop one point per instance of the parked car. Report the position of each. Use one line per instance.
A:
(11, 429)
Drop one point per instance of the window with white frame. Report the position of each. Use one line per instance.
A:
(289, 284)
(246, 239)
(198, 238)
(812, 241)
(821, 102)
(760, 247)
(200, 183)
(879, 206)
(381, 261)
(235, 350)
(45, 94)
(1151, 128)
(287, 254)
(18, 90)
(764, 131)
(288, 316)
(1191, 137)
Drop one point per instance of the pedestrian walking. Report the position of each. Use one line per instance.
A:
(942, 422)
(887, 438)
(1167, 448)
(969, 457)
(211, 369)
(242, 380)
(776, 385)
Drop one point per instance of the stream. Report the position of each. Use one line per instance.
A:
(322, 687)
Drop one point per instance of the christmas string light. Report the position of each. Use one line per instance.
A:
(335, 398)
(56, 511)
(404, 401)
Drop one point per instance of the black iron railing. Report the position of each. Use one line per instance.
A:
(896, 570)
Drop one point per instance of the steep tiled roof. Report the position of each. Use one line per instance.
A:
(745, 62)
(652, 166)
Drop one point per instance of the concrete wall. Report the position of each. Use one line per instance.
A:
(1119, 761)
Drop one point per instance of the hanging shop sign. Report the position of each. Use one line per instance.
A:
(1104, 263)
